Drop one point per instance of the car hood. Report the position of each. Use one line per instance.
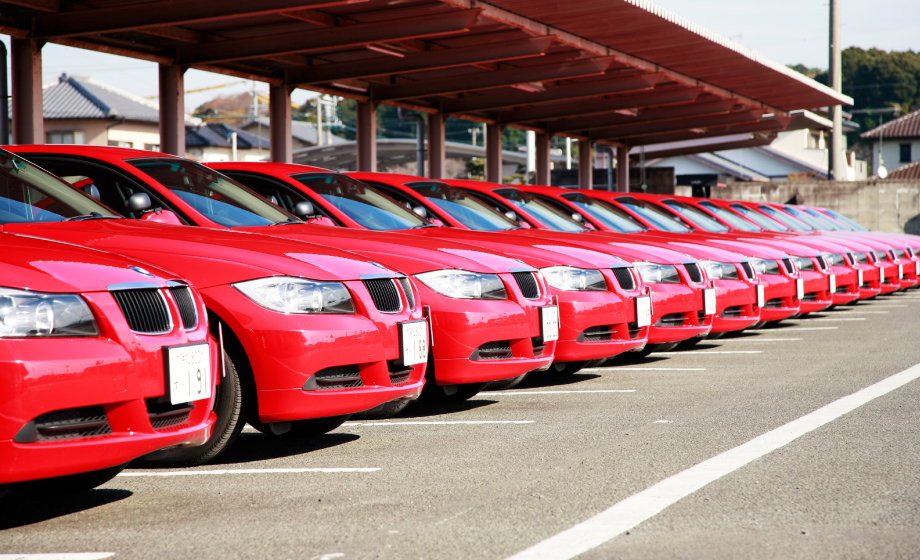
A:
(207, 257)
(409, 254)
(602, 242)
(42, 265)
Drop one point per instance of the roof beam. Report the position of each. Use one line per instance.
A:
(665, 113)
(422, 61)
(557, 93)
(644, 129)
(486, 80)
(160, 13)
(767, 125)
(653, 98)
(332, 37)
(673, 149)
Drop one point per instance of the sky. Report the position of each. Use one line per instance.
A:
(787, 31)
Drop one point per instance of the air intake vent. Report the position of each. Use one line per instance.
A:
(748, 270)
(732, 312)
(671, 320)
(788, 264)
(538, 346)
(399, 374)
(145, 310)
(693, 270)
(385, 295)
(822, 262)
(164, 415)
(407, 289)
(338, 377)
(528, 284)
(624, 279)
(773, 303)
(71, 423)
(498, 350)
(187, 309)
(602, 333)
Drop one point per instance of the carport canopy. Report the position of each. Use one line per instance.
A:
(620, 73)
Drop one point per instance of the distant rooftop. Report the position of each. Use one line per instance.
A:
(907, 126)
(81, 97)
(218, 135)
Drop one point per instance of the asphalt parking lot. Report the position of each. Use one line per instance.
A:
(509, 471)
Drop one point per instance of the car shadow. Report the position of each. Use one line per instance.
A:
(538, 380)
(633, 360)
(21, 509)
(260, 447)
(422, 409)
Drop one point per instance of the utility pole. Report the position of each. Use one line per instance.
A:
(837, 167)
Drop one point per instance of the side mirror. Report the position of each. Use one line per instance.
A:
(92, 190)
(163, 217)
(421, 211)
(511, 215)
(321, 221)
(304, 210)
(272, 199)
(138, 202)
(436, 222)
(524, 224)
(578, 217)
(589, 225)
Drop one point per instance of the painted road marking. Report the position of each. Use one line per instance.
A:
(840, 319)
(58, 556)
(861, 312)
(467, 422)
(697, 353)
(632, 511)
(503, 393)
(615, 368)
(248, 471)
(757, 339)
(790, 329)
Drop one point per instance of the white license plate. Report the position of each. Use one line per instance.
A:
(413, 343)
(900, 271)
(799, 288)
(189, 372)
(760, 295)
(643, 311)
(709, 301)
(549, 323)
(881, 274)
(917, 266)
(833, 282)
(859, 275)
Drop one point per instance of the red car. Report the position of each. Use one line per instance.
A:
(491, 334)
(596, 318)
(677, 286)
(103, 359)
(312, 334)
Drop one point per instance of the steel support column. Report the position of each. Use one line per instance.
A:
(543, 164)
(172, 109)
(585, 167)
(494, 153)
(28, 123)
(366, 141)
(623, 169)
(437, 150)
(279, 108)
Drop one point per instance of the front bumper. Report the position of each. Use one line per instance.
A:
(677, 313)
(596, 325)
(847, 280)
(779, 297)
(736, 306)
(817, 291)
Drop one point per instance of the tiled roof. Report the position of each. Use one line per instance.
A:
(303, 131)
(907, 171)
(75, 97)
(907, 126)
(218, 135)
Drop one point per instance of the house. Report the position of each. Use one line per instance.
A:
(214, 142)
(304, 133)
(896, 143)
(797, 153)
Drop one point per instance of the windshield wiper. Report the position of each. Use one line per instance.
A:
(424, 226)
(92, 216)
(289, 221)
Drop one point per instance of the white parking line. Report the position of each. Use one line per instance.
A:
(248, 471)
(615, 368)
(840, 319)
(757, 339)
(59, 556)
(697, 353)
(632, 511)
(503, 393)
(861, 312)
(791, 329)
(466, 422)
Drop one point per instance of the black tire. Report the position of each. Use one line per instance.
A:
(450, 393)
(714, 335)
(690, 342)
(386, 410)
(506, 383)
(563, 369)
(71, 484)
(658, 347)
(312, 427)
(231, 408)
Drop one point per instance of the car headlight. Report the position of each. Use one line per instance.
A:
(287, 294)
(765, 266)
(833, 259)
(654, 273)
(463, 284)
(34, 314)
(804, 263)
(720, 270)
(571, 279)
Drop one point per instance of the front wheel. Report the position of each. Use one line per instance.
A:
(385, 410)
(301, 428)
(506, 383)
(561, 369)
(70, 484)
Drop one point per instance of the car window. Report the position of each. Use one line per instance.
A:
(214, 196)
(785, 218)
(549, 216)
(653, 214)
(29, 195)
(843, 219)
(276, 191)
(362, 203)
(607, 214)
(466, 209)
(813, 221)
(696, 216)
(765, 222)
(731, 218)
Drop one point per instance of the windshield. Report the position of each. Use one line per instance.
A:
(785, 218)
(656, 216)
(212, 195)
(462, 207)
(696, 216)
(29, 194)
(362, 203)
(763, 221)
(814, 222)
(607, 214)
(843, 219)
(548, 215)
(731, 218)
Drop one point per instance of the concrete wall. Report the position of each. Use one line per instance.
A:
(892, 206)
